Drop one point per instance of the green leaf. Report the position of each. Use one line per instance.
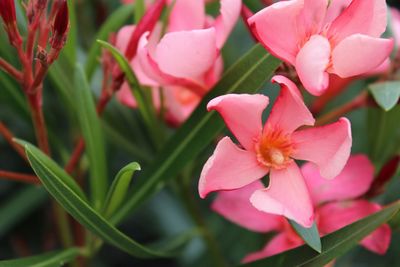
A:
(140, 8)
(309, 235)
(19, 206)
(69, 50)
(112, 24)
(145, 107)
(119, 188)
(92, 133)
(386, 94)
(333, 245)
(246, 76)
(51, 259)
(54, 180)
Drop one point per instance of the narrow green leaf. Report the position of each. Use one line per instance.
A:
(139, 10)
(19, 206)
(54, 179)
(145, 106)
(51, 259)
(246, 76)
(333, 245)
(69, 50)
(309, 235)
(55, 168)
(119, 188)
(386, 94)
(112, 24)
(92, 133)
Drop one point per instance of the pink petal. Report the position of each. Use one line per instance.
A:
(311, 63)
(327, 146)
(335, 9)
(278, 244)
(229, 168)
(289, 111)
(187, 54)
(124, 95)
(123, 37)
(281, 39)
(352, 182)
(361, 16)
(230, 11)
(286, 195)
(187, 15)
(242, 115)
(312, 17)
(235, 206)
(334, 216)
(366, 54)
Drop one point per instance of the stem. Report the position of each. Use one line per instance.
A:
(63, 225)
(9, 137)
(76, 155)
(7, 67)
(358, 102)
(39, 124)
(19, 177)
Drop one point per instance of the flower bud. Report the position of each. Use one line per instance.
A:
(7, 11)
(60, 26)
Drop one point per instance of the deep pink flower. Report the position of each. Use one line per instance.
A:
(335, 202)
(274, 148)
(186, 61)
(318, 38)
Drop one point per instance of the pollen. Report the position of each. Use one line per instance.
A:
(274, 149)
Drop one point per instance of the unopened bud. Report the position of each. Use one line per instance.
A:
(60, 26)
(7, 11)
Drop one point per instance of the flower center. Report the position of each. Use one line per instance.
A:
(274, 149)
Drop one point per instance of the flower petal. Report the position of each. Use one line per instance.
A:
(123, 37)
(327, 146)
(289, 111)
(242, 115)
(361, 16)
(312, 16)
(352, 182)
(311, 63)
(187, 54)
(229, 168)
(281, 39)
(286, 195)
(187, 15)
(279, 243)
(366, 54)
(334, 216)
(230, 11)
(235, 206)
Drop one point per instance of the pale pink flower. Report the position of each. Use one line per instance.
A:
(335, 202)
(318, 38)
(186, 60)
(274, 148)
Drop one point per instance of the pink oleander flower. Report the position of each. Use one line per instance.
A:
(336, 203)
(185, 62)
(319, 39)
(273, 149)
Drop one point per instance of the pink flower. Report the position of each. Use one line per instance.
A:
(334, 202)
(274, 148)
(186, 61)
(318, 38)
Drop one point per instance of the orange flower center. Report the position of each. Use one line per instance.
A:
(274, 149)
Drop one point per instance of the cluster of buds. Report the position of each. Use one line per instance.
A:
(44, 30)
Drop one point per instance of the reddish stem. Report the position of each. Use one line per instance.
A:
(358, 102)
(19, 177)
(9, 137)
(7, 67)
(39, 124)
